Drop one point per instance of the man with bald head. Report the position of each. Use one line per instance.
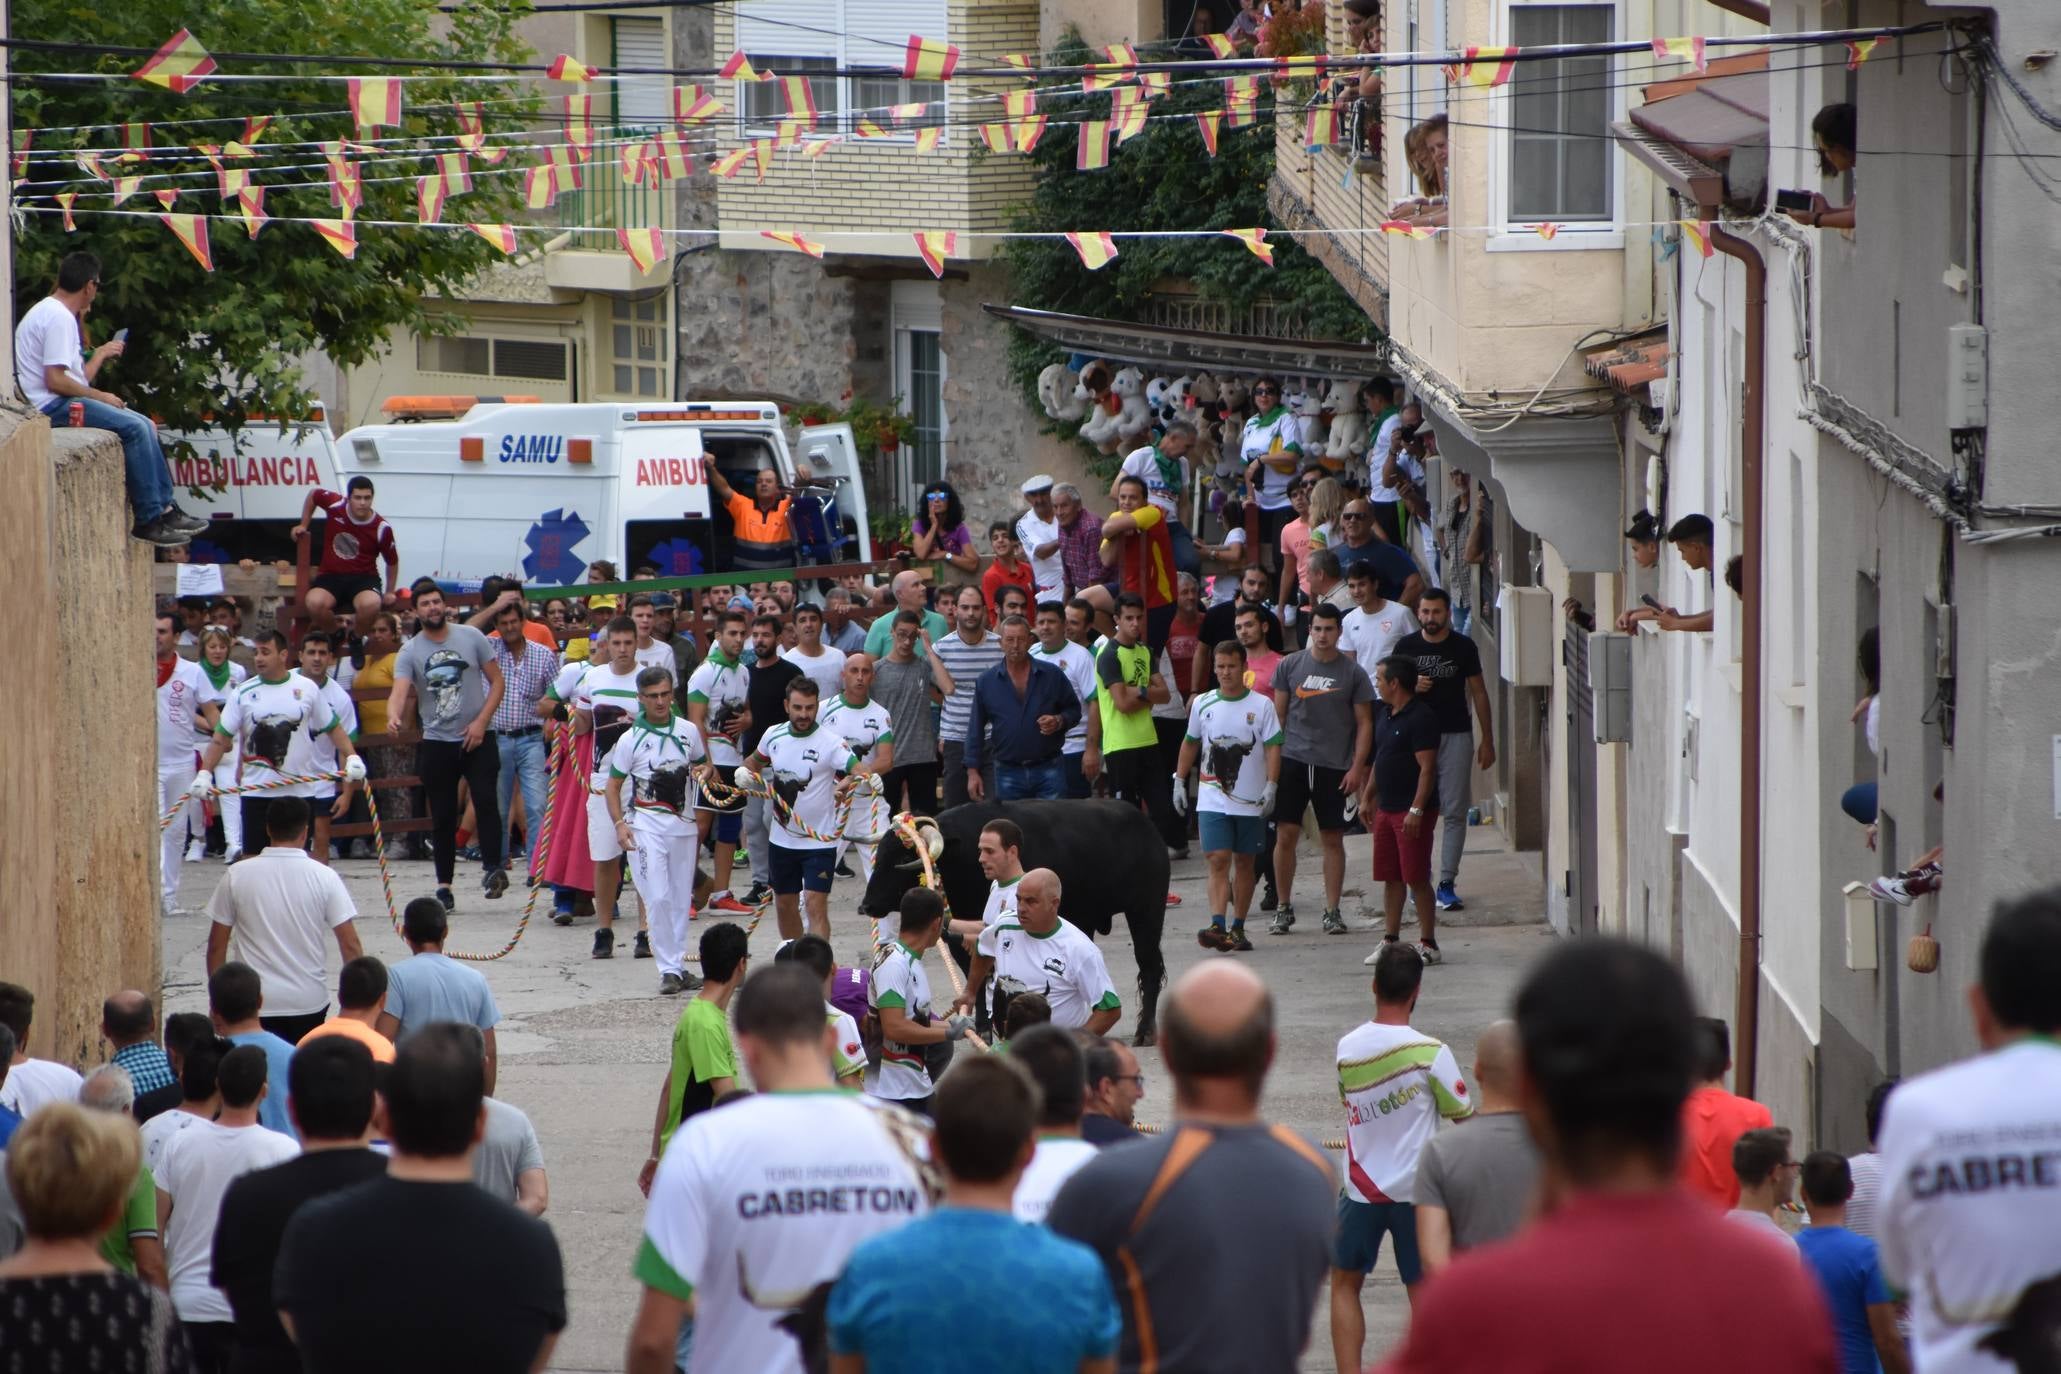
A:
(1475, 1182)
(127, 1023)
(1033, 949)
(1164, 1213)
(868, 727)
(909, 595)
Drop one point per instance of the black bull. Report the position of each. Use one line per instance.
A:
(1107, 854)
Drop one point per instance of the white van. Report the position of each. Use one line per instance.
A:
(249, 486)
(479, 487)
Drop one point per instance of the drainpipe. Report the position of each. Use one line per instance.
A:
(1752, 450)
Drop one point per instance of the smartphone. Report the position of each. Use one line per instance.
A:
(1792, 200)
(1648, 599)
(121, 335)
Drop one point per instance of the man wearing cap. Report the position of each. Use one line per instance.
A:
(1037, 529)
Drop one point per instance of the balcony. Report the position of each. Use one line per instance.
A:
(589, 256)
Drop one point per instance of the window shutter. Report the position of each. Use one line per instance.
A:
(790, 28)
(877, 31)
(642, 102)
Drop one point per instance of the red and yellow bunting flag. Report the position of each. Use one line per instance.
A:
(645, 246)
(866, 128)
(934, 246)
(22, 139)
(926, 139)
(1406, 229)
(692, 104)
(1255, 241)
(1489, 67)
(1127, 112)
(1092, 152)
(429, 200)
(1322, 129)
(762, 157)
(927, 59)
(1121, 55)
(64, 206)
(728, 164)
(490, 154)
(1019, 60)
(1219, 45)
(1548, 231)
(1858, 50)
(672, 157)
(340, 234)
(579, 122)
(539, 187)
(902, 114)
(1017, 104)
(1301, 67)
(1238, 88)
(1240, 112)
(124, 187)
(472, 125)
(1102, 76)
(502, 236)
(816, 147)
(136, 136)
(1028, 132)
(1696, 233)
(739, 68)
(250, 203)
(1688, 50)
(254, 127)
(166, 198)
(788, 132)
(1206, 121)
(1097, 250)
(90, 163)
(996, 137)
(192, 230)
(375, 101)
(180, 65)
(794, 241)
(1155, 84)
(564, 162)
(454, 171)
(798, 100)
(566, 67)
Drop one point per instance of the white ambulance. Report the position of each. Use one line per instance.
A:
(249, 486)
(477, 486)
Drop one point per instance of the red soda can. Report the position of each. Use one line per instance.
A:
(77, 410)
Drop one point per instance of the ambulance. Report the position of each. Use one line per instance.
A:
(249, 485)
(477, 486)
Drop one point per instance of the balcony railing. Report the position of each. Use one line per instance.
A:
(606, 201)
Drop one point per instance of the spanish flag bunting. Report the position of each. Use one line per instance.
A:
(1298, 68)
(454, 171)
(192, 230)
(166, 198)
(502, 236)
(1484, 67)
(762, 157)
(799, 100)
(926, 139)
(1019, 104)
(1155, 84)
(866, 128)
(692, 104)
(1219, 45)
(472, 125)
(90, 163)
(1697, 233)
(211, 151)
(1123, 60)
(739, 68)
(1121, 54)
(489, 153)
(64, 206)
(1127, 112)
(902, 114)
(1256, 241)
(566, 67)
(1207, 121)
(645, 246)
(375, 101)
(727, 165)
(1546, 231)
(673, 159)
(346, 185)
(788, 132)
(1322, 130)
(564, 162)
(934, 246)
(1241, 111)
(926, 59)
(1858, 50)
(1688, 50)
(22, 139)
(996, 137)
(429, 200)
(237, 150)
(124, 187)
(816, 147)
(250, 203)
(539, 187)
(1241, 88)
(1097, 250)
(1028, 132)
(794, 241)
(579, 121)
(136, 136)
(1406, 229)
(180, 65)
(1092, 152)
(254, 127)
(1019, 60)
(340, 234)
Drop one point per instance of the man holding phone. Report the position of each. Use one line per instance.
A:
(52, 370)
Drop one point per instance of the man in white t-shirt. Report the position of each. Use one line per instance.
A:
(1369, 631)
(652, 652)
(823, 665)
(1163, 467)
(599, 697)
(52, 370)
(803, 763)
(280, 907)
(1236, 737)
(1968, 1212)
(1056, 1062)
(1037, 529)
(717, 703)
(1389, 460)
(183, 696)
(261, 720)
(900, 997)
(313, 753)
(868, 727)
(1037, 951)
(1396, 1083)
(1053, 647)
(657, 757)
(30, 1082)
(756, 1206)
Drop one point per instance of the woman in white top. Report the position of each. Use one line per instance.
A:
(1271, 447)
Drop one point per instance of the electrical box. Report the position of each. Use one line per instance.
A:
(1610, 686)
(1967, 398)
(1860, 927)
(1528, 639)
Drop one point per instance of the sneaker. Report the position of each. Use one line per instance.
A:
(450, 902)
(1213, 936)
(844, 870)
(671, 985)
(232, 854)
(1430, 951)
(689, 980)
(1896, 890)
(495, 883)
(469, 853)
(1334, 922)
(760, 893)
(1283, 921)
(1178, 854)
(742, 856)
(1269, 899)
(1238, 941)
(183, 520)
(1173, 899)
(642, 949)
(1375, 957)
(604, 943)
(161, 532)
(729, 905)
(196, 851)
(561, 915)
(1449, 900)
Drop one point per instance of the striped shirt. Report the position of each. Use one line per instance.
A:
(965, 662)
(527, 679)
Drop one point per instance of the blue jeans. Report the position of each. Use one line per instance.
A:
(1030, 782)
(150, 479)
(1077, 785)
(1186, 559)
(522, 760)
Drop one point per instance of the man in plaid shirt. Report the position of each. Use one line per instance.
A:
(1080, 541)
(126, 1021)
(528, 668)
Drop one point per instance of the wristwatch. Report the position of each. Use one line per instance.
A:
(1416, 810)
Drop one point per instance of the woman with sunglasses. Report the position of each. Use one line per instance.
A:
(940, 533)
(1272, 449)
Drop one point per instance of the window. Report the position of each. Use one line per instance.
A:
(637, 346)
(1560, 148)
(641, 102)
(532, 360)
(871, 96)
(762, 104)
(454, 355)
(810, 36)
(535, 362)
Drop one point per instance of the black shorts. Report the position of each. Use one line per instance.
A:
(1306, 786)
(345, 587)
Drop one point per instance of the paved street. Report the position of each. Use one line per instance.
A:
(584, 1044)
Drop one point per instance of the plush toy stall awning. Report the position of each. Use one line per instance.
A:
(1190, 349)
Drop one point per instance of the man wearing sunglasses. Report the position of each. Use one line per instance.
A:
(1395, 572)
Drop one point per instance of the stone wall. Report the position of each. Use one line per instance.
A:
(77, 775)
(779, 326)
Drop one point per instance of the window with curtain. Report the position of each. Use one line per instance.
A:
(1560, 147)
(761, 105)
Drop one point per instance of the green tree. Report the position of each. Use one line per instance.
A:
(1163, 179)
(227, 343)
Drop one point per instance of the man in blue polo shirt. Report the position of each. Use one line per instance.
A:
(1031, 705)
(1394, 570)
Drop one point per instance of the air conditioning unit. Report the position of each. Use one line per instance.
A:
(1528, 640)
(1610, 686)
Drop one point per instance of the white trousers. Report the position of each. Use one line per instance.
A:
(230, 808)
(865, 823)
(662, 865)
(172, 783)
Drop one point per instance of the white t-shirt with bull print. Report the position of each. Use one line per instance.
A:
(1233, 734)
(802, 769)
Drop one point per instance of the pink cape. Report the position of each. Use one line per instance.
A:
(570, 863)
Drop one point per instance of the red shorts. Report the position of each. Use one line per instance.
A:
(1397, 857)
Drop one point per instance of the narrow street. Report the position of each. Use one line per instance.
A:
(584, 1043)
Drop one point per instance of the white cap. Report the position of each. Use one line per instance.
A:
(1041, 482)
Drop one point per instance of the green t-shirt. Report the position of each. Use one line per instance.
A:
(1124, 729)
(138, 1218)
(880, 637)
(702, 1053)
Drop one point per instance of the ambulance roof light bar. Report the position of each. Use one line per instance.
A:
(407, 409)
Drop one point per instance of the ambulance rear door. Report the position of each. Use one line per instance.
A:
(664, 494)
(831, 455)
(249, 485)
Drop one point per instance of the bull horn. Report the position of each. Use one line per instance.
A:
(933, 838)
(910, 866)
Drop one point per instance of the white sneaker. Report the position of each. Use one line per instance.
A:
(196, 850)
(1375, 957)
(232, 856)
(1432, 953)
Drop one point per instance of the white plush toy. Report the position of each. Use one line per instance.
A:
(1133, 416)
(1155, 393)
(1348, 422)
(1094, 389)
(1306, 403)
(1059, 391)
(1175, 403)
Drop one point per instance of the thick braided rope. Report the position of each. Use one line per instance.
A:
(716, 790)
(905, 826)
